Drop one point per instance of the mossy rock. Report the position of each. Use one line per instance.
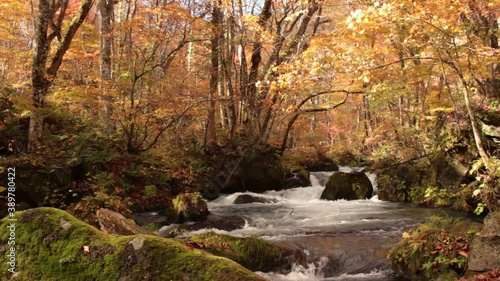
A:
(298, 177)
(51, 245)
(349, 186)
(251, 252)
(256, 173)
(189, 207)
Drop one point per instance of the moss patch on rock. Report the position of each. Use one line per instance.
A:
(349, 186)
(251, 252)
(52, 245)
(190, 207)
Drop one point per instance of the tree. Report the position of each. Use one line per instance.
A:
(150, 35)
(106, 13)
(51, 24)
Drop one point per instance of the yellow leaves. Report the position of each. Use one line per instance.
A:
(406, 235)
(366, 77)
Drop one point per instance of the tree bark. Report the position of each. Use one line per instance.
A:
(39, 80)
(211, 137)
(106, 11)
(41, 76)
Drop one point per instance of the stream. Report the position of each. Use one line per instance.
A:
(338, 240)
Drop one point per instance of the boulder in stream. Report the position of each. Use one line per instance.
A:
(297, 178)
(227, 223)
(56, 246)
(348, 186)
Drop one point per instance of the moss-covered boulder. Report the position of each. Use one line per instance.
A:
(189, 207)
(257, 169)
(52, 245)
(349, 186)
(260, 174)
(251, 252)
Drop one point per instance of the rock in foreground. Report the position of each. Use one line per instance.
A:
(485, 250)
(53, 245)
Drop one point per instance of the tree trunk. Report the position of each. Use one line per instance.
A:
(106, 43)
(41, 76)
(40, 83)
(211, 137)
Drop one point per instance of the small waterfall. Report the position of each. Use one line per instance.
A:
(319, 178)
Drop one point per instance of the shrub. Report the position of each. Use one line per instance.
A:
(436, 250)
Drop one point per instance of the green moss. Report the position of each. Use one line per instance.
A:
(189, 206)
(53, 245)
(251, 252)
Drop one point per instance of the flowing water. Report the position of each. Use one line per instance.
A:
(337, 240)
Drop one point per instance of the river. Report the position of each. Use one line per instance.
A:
(340, 240)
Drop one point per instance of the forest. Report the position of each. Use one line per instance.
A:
(143, 105)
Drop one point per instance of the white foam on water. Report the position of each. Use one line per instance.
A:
(313, 273)
(298, 272)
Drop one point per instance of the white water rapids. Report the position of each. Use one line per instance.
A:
(342, 240)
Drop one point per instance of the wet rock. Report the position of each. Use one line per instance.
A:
(149, 218)
(485, 248)
(349, 186)
(115, 223)
(297, 178)
(227, 223)
(247, 198)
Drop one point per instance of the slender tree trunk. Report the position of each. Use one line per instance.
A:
(475, 128)
(211, 137)
(367, 118)
(106, 11)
